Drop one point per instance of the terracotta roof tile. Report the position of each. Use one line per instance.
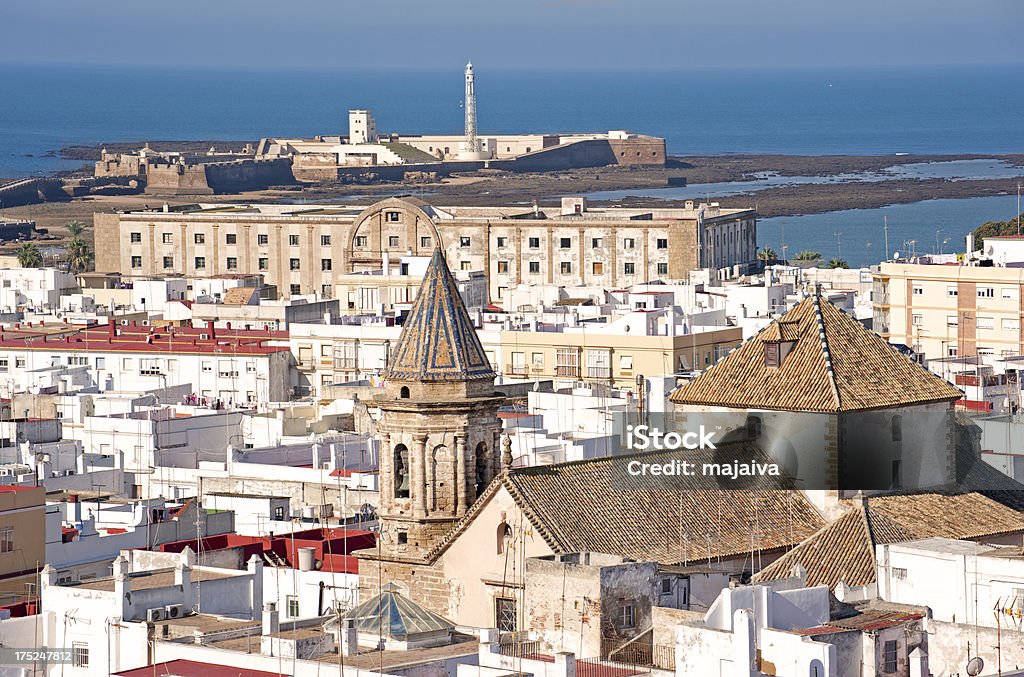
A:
(835, 365)
(844, 551)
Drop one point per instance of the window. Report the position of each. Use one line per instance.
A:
(200, 262)
(518, 363)
(899, 573)
(262, 239)
(918, 290)
(596, 242)
(231, 238)
(896, 428)
(263, 264)
(534, 266)
(295, 289)
(325, 240)
(565, 267)
(917, 320)
(464, 241)
(465, 265)
(392, 217)
(952, 320)
(168, 238)
(136, 262)
(293, 240)
(666, 586)
(502, 242)
(952, 291)
(168, 262)
(986, 323)
(502, 266)
(1011, 323)
(628, 616)
(567, 362)
(505, 614)
(6, 539)
(325, 264)
(250, 367)
(401, 466)
(80, 654)
(889, 654)
(232, 263)
(360, 241)
(127, 364)
(393, 241)
(565, 242)
(629, 268)
(534, 242)
(101, 363)
(537, 359)
(663, 268)
(278, 513)
(403, 537)
(951, 351)
(599, 363)
(626, 362)
(294, 264)
(629, 243)
(292, 602)
(425, 242)
(207, 366)
(662, 243)
(598, 268)
(986, 292)
(135, 237)
(1010, 293)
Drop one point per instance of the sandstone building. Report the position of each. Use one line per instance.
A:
(302, 249)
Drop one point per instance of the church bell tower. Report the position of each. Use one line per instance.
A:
(439, 429)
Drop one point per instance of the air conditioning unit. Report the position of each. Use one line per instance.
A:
(175, 610)
(156, 614)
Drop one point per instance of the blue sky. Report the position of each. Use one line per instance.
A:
(346, 34)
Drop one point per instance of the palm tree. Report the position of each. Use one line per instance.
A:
(79, 255)
(767, 254)
(837, 263)
(807, 255)
(76, 228)
(29, 256)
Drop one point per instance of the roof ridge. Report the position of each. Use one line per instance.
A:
(819, 318)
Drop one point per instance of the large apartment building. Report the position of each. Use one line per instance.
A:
(951, 310)
(304, 249)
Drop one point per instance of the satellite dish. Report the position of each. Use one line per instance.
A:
(896, 255)
(975, 666)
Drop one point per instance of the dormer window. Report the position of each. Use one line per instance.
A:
(775, 352)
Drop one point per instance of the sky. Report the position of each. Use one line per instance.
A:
(529, 34)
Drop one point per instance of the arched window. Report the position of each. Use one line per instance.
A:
(401, 474)
(504, 537)
(404, 392)
(481, 468)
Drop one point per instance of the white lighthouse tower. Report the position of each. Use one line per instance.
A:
(470, 149)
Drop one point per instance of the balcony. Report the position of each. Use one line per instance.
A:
(515, 370)
(567, 371)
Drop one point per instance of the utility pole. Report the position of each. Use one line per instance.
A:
(885, 227)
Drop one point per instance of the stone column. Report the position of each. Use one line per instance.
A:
(386, 472)
(460, 475)
(419, 482)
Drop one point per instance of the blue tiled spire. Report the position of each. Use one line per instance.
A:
(438, 341)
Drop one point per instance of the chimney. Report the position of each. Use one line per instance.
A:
(349, 637)
(270, 619)
(211, 328)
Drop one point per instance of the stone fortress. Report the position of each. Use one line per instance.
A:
(366, 156)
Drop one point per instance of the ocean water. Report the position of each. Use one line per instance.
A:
(858, 235)
(810, 112)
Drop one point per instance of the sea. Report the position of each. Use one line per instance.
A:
(812, 111)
